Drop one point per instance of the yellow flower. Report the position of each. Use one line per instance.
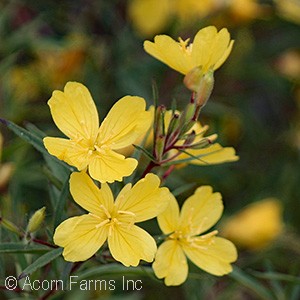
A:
(147, 17)
(245, 10)
(6, 169)
(289, 9)
(111, 220)
(210, 253)
(209, 50)
(75, 114)
(191, 10)
(256, 225)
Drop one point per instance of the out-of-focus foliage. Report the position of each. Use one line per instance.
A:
(255, 107)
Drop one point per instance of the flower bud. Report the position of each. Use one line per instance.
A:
(10, 226)
(36, 220)
(200, 83)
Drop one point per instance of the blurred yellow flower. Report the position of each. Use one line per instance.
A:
(148, 17)
(56, 64)
(208, 51)
(245, 10)
(114, 221)
(6, 169)
(288, 64)
(189, 10)
(210, 253)
(89, 146)
(256, 225)
(289, 9)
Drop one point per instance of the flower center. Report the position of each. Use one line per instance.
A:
(115, 219)
(200, 242)
(185, 47)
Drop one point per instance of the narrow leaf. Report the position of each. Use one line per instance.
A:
(21, 248)
(40, 262)
(251, 283)
(146, 152)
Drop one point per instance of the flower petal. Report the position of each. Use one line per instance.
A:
(211, 48)
(224, 47)
(69, 151)
(74, 112)
(169, 52)
(89, 196)
(146, 199)
(168, 220)
(202, 47)
(201, 211)
(124, 123)
(214, 154)
(170, 263)
(110, 166)
(130, 245)
(80, 237)
(214, 257)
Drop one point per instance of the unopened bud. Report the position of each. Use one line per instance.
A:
(36, 220)
(174, 124)
(190, 138)
(193, 78)
(159, 123)
(200, 83)
(159, 147)
(10, 226)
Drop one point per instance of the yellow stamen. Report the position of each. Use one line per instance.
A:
(105, 211)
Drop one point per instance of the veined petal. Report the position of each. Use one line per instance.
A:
(130, 245)
(213, 257)
(223, 48)
(202, 47)
(89, 196)
(69, 151)
(211, 48)
(124, 123)
(74, 112)
(110, 166)
(80, 237)
(169, 52)
(170, 263)
(201, 211)
(214, 154)
(168, 220)
(146, 199)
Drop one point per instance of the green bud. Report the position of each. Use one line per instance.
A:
(10, 226)
(159, 147)
(36, 220)
(205, 88)
(193, 78)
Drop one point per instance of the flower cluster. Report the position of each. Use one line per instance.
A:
(177, 138)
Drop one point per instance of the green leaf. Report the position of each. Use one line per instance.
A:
(276, 276)
(60, 204)
(40, 262)
(251, 283)
(33, 139)
(146, 152)
(27, 136)
(21, 248)
(182, 189)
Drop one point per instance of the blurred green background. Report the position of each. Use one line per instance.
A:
(255, 107)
